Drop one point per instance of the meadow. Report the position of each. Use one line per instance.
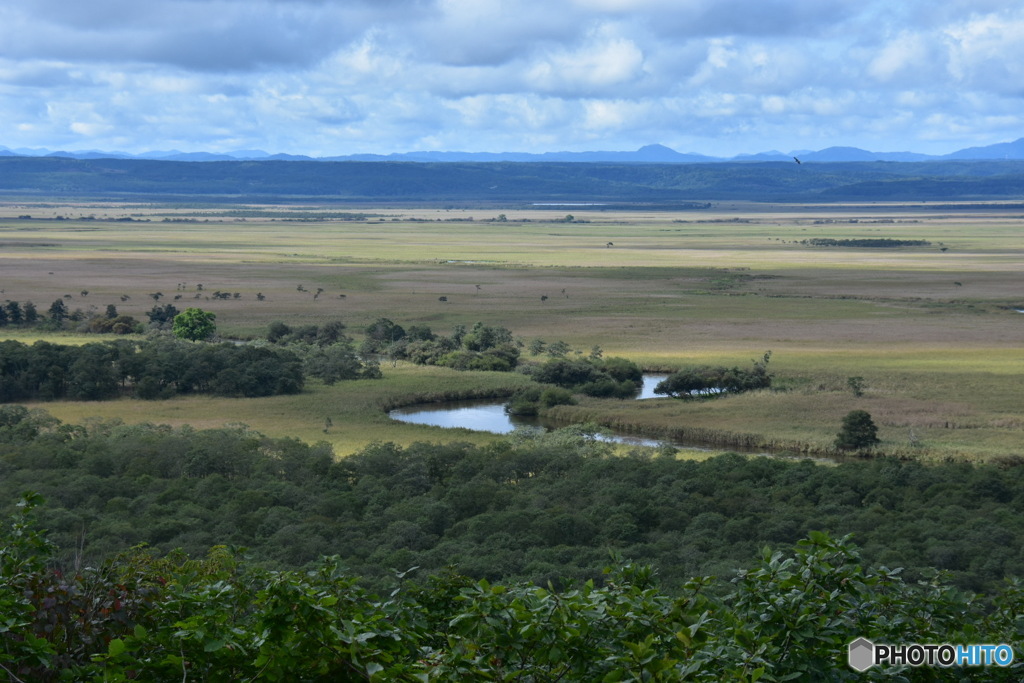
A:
(933, 330)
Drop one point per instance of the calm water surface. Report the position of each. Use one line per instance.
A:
(488, 415)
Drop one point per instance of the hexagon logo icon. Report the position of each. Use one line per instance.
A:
(861, 654)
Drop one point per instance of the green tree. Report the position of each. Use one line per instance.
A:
(194, 324)
(381, 334)
(29, 313)
(58, 311)
(277, 331)
(558, 349)
(161, 315)
(337, 362)
(858, 431)
(14, 314)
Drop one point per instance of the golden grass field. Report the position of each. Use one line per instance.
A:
(933, 330)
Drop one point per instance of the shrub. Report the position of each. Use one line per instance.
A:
(858, 431)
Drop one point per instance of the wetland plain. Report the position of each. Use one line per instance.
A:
(933, 329)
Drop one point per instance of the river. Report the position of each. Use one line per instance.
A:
(488, 415)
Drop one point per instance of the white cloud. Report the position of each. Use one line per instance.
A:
(337, 76)
(987, 52)
(603, 64)
(907, 55)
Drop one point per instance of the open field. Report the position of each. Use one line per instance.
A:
(934, 330)
(357, 409)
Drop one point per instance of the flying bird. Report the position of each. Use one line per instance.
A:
(797, 160)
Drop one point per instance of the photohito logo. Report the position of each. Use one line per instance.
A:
(862, 654)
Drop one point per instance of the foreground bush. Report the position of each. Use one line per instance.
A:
(790, 617)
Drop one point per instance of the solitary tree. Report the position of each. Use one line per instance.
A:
(858, 431)
(194, 324)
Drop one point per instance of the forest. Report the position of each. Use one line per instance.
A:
(532, 559)
(532, 507)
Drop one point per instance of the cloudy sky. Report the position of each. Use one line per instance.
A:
(332, 77)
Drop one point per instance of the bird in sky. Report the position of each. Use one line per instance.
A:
(797, 160)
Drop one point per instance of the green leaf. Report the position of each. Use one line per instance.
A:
(116, 647)
(213, 645)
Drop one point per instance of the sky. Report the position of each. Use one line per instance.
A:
(338, 77)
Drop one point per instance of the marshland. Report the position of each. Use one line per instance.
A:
(931, 329)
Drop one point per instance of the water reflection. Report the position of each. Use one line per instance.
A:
(488, 415)
(647, 390)
(481, 415)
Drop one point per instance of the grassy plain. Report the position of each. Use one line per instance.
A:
(934, 330)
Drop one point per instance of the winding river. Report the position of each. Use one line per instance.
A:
(488, 415)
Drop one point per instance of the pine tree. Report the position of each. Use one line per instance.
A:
(58, 310)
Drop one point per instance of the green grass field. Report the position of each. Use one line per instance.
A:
(934, 330)
(357, 410)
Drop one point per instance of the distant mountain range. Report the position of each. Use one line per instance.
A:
(656, 154)
(518, 182)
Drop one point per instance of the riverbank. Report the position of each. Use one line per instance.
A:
(911, 406)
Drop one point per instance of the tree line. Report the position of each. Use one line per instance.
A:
(60, 316)
(705, 381)
(160, 367)
(482, 347)
(869, 242)
(150, 369)
(529, 507)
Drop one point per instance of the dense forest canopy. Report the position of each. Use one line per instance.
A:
(531, 507)
(792, 616)
(447, 531)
